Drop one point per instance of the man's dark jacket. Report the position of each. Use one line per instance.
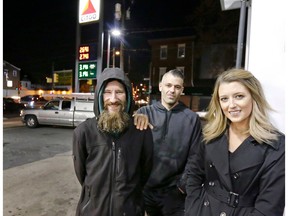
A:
(112, 171)
(176, 135)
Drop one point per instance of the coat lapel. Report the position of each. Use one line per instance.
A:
(252, 152)
(219, 156)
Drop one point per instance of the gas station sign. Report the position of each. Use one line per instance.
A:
(89, 11)
(87, 70)
(87, 52)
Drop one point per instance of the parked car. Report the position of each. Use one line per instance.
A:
(62, 112)
(33, 101)
(10, 106)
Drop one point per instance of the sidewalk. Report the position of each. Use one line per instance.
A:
(12, 121)
(43, 188)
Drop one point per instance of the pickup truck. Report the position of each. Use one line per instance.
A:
(61, 112)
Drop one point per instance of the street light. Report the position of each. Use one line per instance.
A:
(115, 33)
(230, 4)
(115, 53)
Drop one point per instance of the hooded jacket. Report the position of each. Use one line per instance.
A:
(176, 135)
(112, 171)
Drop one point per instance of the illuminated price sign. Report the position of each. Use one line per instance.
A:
(87, 70)
(84, 53)
(87, 52)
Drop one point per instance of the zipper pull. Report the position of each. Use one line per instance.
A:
(119, 153)
(113, 146)
(118, 160)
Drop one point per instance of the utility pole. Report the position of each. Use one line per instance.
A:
(113, 57)
(120, 20)
(123, 29)
(78, 39)
(241, 33)
(100, 39)
(108, 49)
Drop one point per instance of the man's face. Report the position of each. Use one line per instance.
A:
(114, 119)
(171, 88)
(114, 97)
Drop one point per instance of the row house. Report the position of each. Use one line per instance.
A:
(169, 54)
(11, 79)
(178, 52)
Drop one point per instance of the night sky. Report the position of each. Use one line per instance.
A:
(40, 35)
(37, 34)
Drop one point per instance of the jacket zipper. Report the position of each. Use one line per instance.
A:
(113, 178)
(118, 160)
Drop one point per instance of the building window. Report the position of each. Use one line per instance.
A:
(181, 51)
(15, 73)
(163, 52)
(162, 71)
(6, 74)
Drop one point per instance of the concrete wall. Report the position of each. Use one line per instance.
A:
(266, 55)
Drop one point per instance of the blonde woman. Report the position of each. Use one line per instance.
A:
(240, 169)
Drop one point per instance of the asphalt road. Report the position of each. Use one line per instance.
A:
(38, 175)
(23, 145)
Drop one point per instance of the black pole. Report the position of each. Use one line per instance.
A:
(78, 39)
(241, 33)
(100, 39)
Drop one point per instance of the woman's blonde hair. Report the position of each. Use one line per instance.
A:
(259, 125)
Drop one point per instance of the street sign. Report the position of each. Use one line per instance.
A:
(87, 70)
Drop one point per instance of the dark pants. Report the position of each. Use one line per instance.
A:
(164, 202)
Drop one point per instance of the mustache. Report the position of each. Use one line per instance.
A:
(107, 103)
(118, 103)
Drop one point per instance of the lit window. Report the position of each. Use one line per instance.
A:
(181, 51)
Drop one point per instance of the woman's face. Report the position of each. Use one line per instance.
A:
(236, 102)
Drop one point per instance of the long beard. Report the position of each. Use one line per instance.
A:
(113, 123)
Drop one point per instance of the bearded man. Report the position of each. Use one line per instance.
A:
(112, 158)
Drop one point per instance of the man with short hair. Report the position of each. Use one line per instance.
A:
(112, 158)
(176, 134)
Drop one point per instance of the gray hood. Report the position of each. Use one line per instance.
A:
(109, 74)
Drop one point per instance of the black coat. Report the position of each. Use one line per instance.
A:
(112, 172)
(176, 135)
(255, 173)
